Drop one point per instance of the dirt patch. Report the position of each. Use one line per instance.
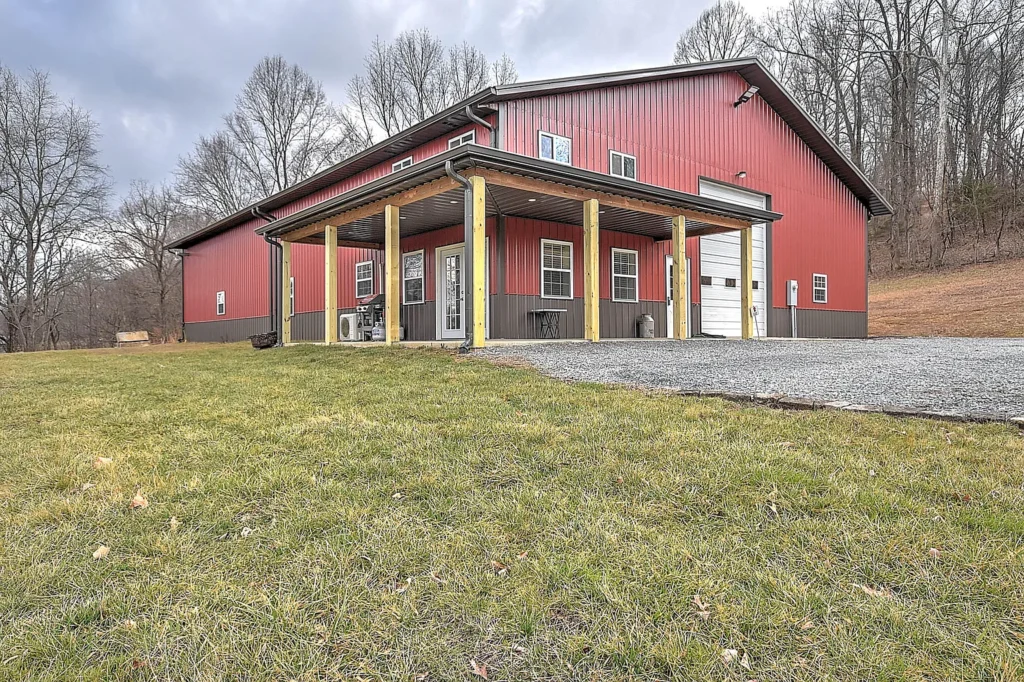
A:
(978, 300)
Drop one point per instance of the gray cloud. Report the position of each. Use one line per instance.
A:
(156, 74)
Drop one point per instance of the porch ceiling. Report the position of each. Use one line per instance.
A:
(535, 189)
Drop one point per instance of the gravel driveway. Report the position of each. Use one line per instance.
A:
(968, 377)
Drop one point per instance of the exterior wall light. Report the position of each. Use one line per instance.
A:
(745, 97)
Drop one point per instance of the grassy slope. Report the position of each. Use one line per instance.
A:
(627, 505)
(977, 300)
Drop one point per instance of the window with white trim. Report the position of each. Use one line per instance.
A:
(364, 279)
(399, 165)
(221, 305)
(555, 269)
(624, 275)
(412, 277)
(291, 296)
(622, 165)
(464, 138)
(819, 288)
(554, 147)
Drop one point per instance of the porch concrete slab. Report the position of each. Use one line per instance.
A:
(965, 378)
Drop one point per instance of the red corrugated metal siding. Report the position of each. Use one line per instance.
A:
(236, 261)
(682, 129)
(522, 253)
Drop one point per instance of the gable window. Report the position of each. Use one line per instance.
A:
(820, 288)
(465, 138)
(399, 165)
(555, 269)
(705, 280)
(624, 275)
(622, 165)
(412, 277)
(221, 306)
(554, 147)
(364, 279)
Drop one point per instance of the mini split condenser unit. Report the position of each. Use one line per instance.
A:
(348, 327)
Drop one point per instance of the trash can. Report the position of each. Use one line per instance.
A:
(645, 327)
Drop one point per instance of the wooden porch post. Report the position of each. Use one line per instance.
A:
(679, 280)
(591, 272)
(479, 256)
(746, 281)
(286, 292)
(330, 283)
(392, 275)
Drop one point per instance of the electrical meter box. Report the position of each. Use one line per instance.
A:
(791, 288)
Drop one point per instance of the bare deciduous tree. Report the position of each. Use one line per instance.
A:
(52, 192)
(724, 31)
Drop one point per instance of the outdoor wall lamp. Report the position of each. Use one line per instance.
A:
(745, 97)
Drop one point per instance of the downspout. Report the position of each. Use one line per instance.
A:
(467, 260)
(476, 119)
(274, 258)
(180, 253)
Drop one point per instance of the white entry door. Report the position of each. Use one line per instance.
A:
(451, 293)
(720, 311)
(670, 273)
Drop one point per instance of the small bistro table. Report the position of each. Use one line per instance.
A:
(547, 321)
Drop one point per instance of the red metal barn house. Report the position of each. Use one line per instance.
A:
(558, 208)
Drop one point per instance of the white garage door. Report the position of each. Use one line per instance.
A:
(720, 260)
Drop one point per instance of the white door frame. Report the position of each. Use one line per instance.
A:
(439, 290)
(669, 260)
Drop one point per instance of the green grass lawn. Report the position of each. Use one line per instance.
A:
(387, 514)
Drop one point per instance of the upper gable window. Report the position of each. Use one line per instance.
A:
(622, 165)
(465, 138)
(399, 165)
(554, 147)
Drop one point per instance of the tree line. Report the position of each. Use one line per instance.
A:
(926, 96)
(78, 265)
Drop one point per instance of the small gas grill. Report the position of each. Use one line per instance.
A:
(371, 314)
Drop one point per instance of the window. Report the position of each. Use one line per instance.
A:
(624, 275)
(220, 303)
(399, 165)
(554, 148)
(622, 165)
(705, 280)
(730, 282)
(412, 277)
(555, 269)
(364, 279)
(291, 296)
(820, 288)
(754, 285)
(465, 138)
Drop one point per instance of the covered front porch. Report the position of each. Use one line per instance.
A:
(478, 244)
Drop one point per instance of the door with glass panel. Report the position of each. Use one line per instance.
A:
(451, 292)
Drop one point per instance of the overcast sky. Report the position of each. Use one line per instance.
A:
(156, 74)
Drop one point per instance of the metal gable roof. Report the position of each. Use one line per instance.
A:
(770, 90)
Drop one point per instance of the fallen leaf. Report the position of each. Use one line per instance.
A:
(744, 661)
(101, 552)
(86, 486)
(872, 473)
(729, 655)
(523, 555)
(807, 625)
(101, 462)
(437, 579)
(479, 669)
(775, 511)
(421, 677)
(136, 664)
(246, 532)
(518, 649)
(139, 502)
(619, 480)
(783, 444)
(702, 608)
(404, 586)
(174, 523)
(129, 624)
(499, 568)
(934, 553)
(396, 496)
